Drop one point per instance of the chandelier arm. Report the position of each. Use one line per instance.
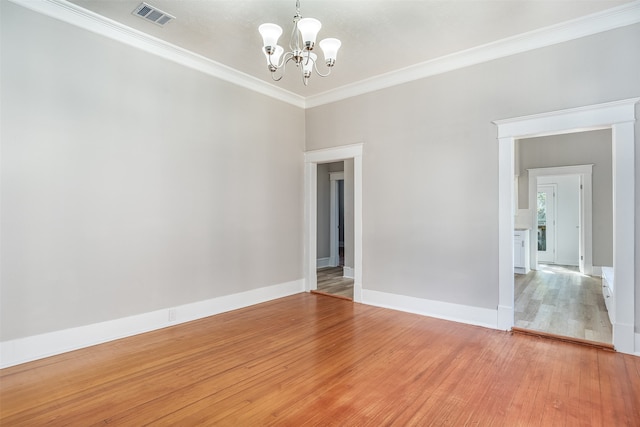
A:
(315, 66)
(282, 67)
(283, 60)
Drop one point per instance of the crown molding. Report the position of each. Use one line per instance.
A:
(620, 16)
(85, 19)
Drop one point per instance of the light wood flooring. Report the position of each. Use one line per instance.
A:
(330, 281)
(559, 300)
(309, 360)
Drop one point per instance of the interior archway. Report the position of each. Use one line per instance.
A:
(618, 116)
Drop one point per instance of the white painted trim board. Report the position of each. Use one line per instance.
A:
(83, 18)
(323, 262)
(35, 347)
(478, 316)
(609, 19)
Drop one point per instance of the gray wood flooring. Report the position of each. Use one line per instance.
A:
(330, 281)
(559, 300)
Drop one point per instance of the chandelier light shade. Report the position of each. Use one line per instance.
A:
(330, 50)
(303, 40)
(270, 34)
(309, 29)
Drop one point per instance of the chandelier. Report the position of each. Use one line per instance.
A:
(301, 44)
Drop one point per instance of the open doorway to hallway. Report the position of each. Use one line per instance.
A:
(620, 118)
(335, 229)
(569, 218)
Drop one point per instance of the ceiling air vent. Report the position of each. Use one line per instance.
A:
(153, 14)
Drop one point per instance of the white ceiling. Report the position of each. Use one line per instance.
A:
(378, 36)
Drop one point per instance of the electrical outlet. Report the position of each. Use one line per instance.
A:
(172, 315)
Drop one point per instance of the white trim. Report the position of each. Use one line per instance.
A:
(586, 210)
(35, 347)
(311, 159)
(620, 117)
(348, 272)
(442, 310)
(88, 20)
(616, 17)
(335, 154)
(637, 353)
(596, 271)
(324, 262)
(572, 120)
(506, 220)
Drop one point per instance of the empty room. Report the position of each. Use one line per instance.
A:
(319, 212)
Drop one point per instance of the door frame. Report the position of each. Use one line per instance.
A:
(311, 161)
(585, 173)
(619, 116)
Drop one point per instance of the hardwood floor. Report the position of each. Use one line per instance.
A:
(330, 281)
(559, 300)
(315, 360)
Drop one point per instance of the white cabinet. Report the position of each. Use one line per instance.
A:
(521, 251)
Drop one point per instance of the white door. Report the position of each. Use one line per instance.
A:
(547, 223)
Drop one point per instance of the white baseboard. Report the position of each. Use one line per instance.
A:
(348, 272)
(597, 271)
(505, 317)
(35, 347)
(569, 262)
(625, 340)
(323, 262)
(485, 317)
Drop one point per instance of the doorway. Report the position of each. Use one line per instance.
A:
(557, 297)
(333, 248)
(618, 116)
(546, 222)
(582, 176)
(312, 160)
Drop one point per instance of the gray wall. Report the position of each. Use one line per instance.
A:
(576, 149)
(430, 159)
(130, 183)
(323, 208)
